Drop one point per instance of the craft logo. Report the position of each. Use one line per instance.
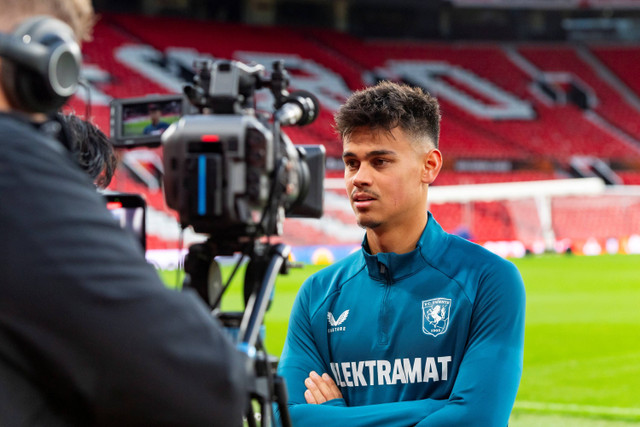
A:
(334, 325)
(435, 316)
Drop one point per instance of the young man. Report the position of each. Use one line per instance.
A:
(157, 126)
(419, 327)
(88, 333)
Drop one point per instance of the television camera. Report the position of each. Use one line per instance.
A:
(232, 174)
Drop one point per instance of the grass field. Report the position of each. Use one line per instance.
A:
(582, 343)
(137, 127)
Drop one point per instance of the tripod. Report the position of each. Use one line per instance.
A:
(266, 261)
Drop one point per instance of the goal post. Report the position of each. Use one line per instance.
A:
(523, 200)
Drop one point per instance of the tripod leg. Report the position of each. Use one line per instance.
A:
(251, 415)
(281, 397)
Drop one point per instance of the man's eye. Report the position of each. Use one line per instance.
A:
(380, 162)
(350, 164)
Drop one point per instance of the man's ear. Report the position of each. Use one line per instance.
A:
(432, 165)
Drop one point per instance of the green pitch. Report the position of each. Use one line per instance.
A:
(582, 344)
(582, 338)
(137, 127)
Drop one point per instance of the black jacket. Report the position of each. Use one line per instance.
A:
(89, 335)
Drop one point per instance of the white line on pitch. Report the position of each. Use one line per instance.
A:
(578, 409)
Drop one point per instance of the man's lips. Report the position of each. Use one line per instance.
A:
(362, 200)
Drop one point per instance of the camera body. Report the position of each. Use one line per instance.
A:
(241, 180)
(229, 171)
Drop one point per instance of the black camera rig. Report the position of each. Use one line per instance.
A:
(232, 174)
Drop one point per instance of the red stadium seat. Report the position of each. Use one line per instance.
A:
(538, 148)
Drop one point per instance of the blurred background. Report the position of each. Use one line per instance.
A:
(531, 90)
(540, 136)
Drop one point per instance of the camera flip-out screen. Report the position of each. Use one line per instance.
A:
(141, 121)
(130, 212)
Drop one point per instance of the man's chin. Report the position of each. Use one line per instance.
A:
(368, 223)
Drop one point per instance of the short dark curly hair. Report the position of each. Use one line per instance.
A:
(388, 105)
(92, 149)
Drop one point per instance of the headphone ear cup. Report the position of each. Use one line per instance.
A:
(43, 71)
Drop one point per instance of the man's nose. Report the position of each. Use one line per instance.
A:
(362, 177)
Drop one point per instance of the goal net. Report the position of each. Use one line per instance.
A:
(581, 215)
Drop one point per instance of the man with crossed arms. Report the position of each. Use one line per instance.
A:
(430, 327)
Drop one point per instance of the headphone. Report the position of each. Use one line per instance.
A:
(41, 65)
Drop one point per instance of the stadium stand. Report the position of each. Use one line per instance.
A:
(630, 177)
(215, 40)
(595, 217)
(462, 178)
(574, 101)
(476, 221)
(610, 103)
(617, 59)
(562, 127)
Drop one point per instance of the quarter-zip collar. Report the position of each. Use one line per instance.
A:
(388, 267)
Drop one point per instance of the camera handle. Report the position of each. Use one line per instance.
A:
(266, 262)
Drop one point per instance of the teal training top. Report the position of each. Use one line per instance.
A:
(433, 337)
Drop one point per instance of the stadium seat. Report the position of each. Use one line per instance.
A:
(537, 148)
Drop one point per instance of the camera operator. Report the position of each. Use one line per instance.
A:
(89, 335)
(92, 149)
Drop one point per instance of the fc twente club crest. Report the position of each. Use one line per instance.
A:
(435, 316)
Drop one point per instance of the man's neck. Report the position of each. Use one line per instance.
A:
(398, 239)
(4, 103)
(5, 107)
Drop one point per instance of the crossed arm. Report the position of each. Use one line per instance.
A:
(483, 392)
(325, 405)
(320, 389)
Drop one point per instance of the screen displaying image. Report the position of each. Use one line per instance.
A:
(130, 216)
(149, 118)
